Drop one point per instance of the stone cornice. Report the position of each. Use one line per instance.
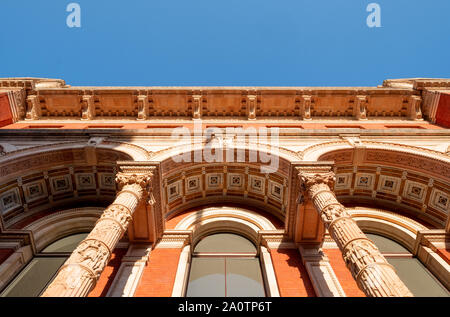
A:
(52, 98)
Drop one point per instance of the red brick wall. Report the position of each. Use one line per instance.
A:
(108, 275)
(344, 276)
(159, 276)
(5, 110)
(443, 111)
(292, 278)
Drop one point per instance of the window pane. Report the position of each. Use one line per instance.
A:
(386, 245)
(207, 278)
(244, 278)
(417, 278)
(34, 278)
(225, 242)
(67, 244)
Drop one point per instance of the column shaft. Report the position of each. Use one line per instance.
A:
(374, 275)
(79, 274)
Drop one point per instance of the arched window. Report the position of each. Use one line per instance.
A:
(411, 271)
(225, 265)
(34, 277)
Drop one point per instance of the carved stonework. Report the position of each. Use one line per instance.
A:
(315, 181)
(2, 151)
(415, 109)
(333, 212)
(34, 108)
(91, 254)
(252, 101)
(78, 276)
(123, 179)
(360, 111)
(197, 106)
(306, 107)
(374, 275)
(119, 213)
(142, 102)
(87, 108)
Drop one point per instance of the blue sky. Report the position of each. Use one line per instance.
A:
(225, 42)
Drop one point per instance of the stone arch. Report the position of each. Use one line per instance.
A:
(398, 228)
(419, 179)
(212, 220)
(63, 175)
(283, 153)
(64, 223)
(405, 231)
(131, 152)
(318, 151)
(175, 177)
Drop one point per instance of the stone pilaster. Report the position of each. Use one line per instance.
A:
(78, 276)
(374, 275)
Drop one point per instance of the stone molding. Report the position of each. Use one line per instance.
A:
(175, 239)
(197, 102)
(324, 280)
(130, 271)
(182, 275)
(14, 263)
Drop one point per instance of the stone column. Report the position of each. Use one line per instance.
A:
(78, 276)
(374, 275)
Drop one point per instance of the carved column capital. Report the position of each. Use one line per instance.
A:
(308, 180)
(143, 180)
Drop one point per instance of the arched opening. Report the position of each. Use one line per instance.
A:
(33, 279)
(420, 281)
(410, 180)
(225, 265)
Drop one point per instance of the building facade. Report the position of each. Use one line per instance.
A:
(224, 191)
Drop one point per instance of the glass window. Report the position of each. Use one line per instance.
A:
(35, 277)
(225, 265)
(225, 242)
(67, 244)
(411, 271)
